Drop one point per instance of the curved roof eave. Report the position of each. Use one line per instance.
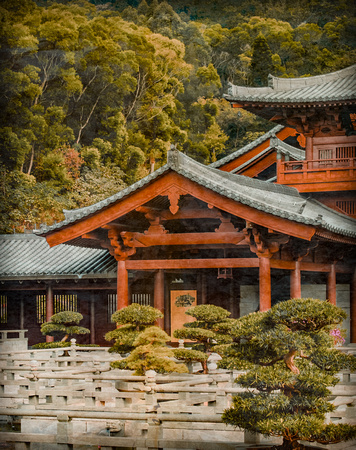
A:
(337, 86)
(74, 215)
(277, 200)
(247, 147)
(27, 256)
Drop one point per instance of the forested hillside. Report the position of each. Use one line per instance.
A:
(93, 93)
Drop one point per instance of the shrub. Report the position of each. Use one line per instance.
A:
(209, 329)
(150, 353)
(291, 361)
(59, 344)
(64, 324)
(132, 320)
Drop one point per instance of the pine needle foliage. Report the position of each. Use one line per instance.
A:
(209, 329)
(64, 324)
(291, 361)
(151, 353)
(131, 320)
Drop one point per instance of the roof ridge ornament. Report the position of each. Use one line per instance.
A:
(273, 140)
(172, 157)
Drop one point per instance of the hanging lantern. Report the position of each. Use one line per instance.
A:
(225, 273)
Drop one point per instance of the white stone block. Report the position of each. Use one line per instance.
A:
(38, 425)
(317, 291)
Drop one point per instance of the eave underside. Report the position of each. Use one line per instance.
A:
(199, 235)
(315, 118)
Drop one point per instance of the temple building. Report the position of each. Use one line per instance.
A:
(272, 221)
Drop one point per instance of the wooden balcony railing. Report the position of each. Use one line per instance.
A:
(328, 174)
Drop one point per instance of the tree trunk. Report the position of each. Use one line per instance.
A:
(291, 445)
(289, 360)
(31, 159)
(205, 366)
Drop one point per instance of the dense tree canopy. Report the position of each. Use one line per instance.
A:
(93, 92)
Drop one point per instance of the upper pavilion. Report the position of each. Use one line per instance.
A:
(323, 109)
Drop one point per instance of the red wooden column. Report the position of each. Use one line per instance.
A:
(49, 308)
(295, 281)
(331, 285)
(204, 299)
(122, 285)
(159, 294)
(265, 283)
(309, 148)
(353, 309)
(92, 319)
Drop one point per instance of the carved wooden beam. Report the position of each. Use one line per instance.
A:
(147, 239)
(187, 213)
(158, 235)
(300, 249)
(263, 244)
(119, 251)
(173, 193)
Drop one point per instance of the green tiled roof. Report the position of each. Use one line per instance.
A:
(337, 86)
(278, 200)
(26, 256)
(248, 147)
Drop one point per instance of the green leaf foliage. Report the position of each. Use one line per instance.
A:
(131, 321)
(209, 314)
(119, 82)
(151, 353)
(65, 324)
(210, 328)
(137, 315)
(188, 355)
(290, 362)
(59, 344)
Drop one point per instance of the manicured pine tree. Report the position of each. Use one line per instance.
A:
(290, 361)
(151, 353)
(131, 321)
(64, 324)
(209, 329)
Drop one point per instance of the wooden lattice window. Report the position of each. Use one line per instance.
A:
(347, 206)
(141, 299)
(61, 302)
(112, 306)
(41, 308)
(65, 302)
(345, 152)
(3, 308)
(326, 153)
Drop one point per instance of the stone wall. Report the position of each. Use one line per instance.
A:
(249, 299)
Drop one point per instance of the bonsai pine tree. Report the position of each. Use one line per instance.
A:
(64, 324)
(291, 361)
(209, 329)
(151, 353)
(131, 320)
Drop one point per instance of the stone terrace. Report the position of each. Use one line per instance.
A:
(72, 399)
